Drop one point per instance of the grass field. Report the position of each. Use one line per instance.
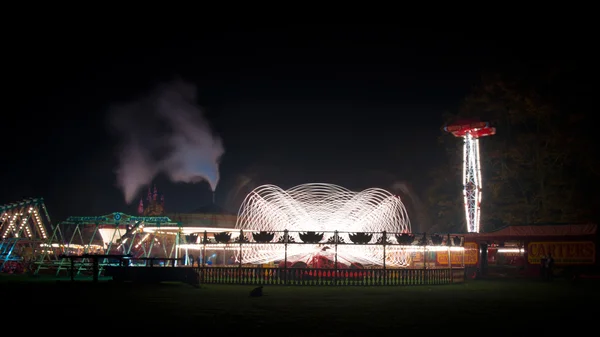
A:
(500, 308)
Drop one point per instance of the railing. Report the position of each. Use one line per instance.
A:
(94, 261)
(328, 277)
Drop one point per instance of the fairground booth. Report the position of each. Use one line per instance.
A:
(519, 249)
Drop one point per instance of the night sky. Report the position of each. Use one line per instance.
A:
(357, 106)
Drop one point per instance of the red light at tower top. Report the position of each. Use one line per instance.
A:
(471, 131)
(476, 128)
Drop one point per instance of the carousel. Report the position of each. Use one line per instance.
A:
(151, 233)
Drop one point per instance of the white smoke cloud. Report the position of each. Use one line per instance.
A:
(165, 132)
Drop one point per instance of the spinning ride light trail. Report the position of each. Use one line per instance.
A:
(319, 208)
(471, 131)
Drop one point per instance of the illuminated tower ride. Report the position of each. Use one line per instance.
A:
(471, 131)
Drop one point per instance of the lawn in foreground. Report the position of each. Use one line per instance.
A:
(498, 307)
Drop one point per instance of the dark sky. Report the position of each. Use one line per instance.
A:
(357, 106)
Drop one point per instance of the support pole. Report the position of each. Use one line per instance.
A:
(240, 256)
(202, 269)
(95, 268)
(425, 276)
(241, 246)
(177, 243)
(383, 241)
(462, 242)
(204, 241)
(285, 240)
(335, 241)
(449, 243)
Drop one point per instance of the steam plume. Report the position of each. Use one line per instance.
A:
(165, 131)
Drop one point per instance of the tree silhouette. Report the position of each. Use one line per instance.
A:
(535, 169)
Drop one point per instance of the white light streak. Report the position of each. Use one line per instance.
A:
(321, 208)
(472, 182)
(511, 250)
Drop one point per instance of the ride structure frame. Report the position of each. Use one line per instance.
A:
(470, 131)
(24, 226)
(116, 233)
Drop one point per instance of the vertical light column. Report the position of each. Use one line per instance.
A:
(466, 145)
(472, 182)
(478, 185)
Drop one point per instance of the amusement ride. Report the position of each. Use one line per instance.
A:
(470, 131)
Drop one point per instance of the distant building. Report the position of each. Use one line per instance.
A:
(154, 206)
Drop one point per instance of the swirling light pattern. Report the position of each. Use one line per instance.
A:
(321, 207)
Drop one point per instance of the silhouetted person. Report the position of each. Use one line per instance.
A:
(549, 267)
(257, 292)
(543, 261)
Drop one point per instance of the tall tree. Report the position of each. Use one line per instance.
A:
(533, 167)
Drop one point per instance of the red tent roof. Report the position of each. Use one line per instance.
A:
(539, 230)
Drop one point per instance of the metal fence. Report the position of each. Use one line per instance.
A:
(328, 277)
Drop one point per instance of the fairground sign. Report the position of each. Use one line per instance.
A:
(150, 219)
(90, 219)
(569, 253)
(471, 256)
(117, 217)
